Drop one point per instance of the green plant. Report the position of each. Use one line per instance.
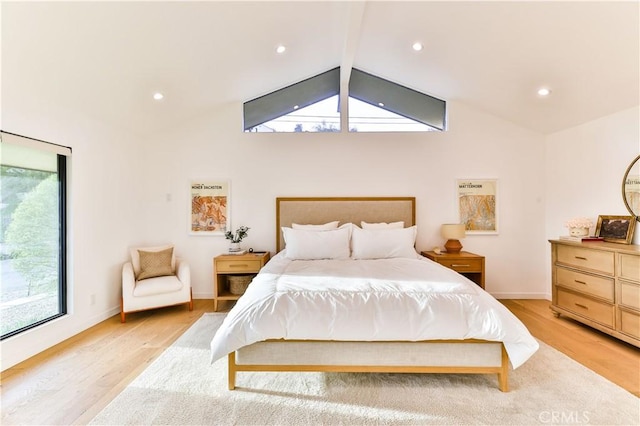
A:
(239, 235)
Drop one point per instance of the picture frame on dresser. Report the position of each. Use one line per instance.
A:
(616, 229)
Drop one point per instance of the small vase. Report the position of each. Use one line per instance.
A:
(579, 232)
(234, 247)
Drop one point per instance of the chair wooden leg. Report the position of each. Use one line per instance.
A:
(122, 314)
(191, 301)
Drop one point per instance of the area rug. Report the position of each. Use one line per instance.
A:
(181, 387)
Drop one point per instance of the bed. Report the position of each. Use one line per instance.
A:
(362, 311)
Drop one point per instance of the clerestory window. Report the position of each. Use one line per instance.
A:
(375, 105)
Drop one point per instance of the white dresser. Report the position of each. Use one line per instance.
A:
(598, 284)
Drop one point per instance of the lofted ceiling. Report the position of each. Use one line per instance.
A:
(104, 60)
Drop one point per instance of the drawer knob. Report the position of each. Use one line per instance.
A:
(459, 265)
(238, 265)
(580, 282)
(581, 306)
(581, 258)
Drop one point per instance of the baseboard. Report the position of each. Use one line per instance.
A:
(521, 296)
(203, 296)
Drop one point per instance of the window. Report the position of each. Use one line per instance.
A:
(413, 110)
(32, 237)
(322, 116)
(375, 105)
(297, 104)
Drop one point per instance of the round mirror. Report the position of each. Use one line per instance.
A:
(631, 188)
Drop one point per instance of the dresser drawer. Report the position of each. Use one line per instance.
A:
(594, 260)
(597, 311)
(630, 267)
(630, 323)
(462, 265)
(585, 283)
(630, 294)
(238, 265)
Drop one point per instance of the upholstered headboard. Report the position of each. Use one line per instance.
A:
(314, 210)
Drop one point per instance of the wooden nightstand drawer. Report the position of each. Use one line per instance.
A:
(462, 265)
(600, 312)
(227, 266)
(468, 264)
(239, 266)
(595, 260)
(585, 283)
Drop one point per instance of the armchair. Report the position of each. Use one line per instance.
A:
(154, 278)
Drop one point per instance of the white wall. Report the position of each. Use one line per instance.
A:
(584, 168)
(104, 175)
(120, 185)
(264, 166)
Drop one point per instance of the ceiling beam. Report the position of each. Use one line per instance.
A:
(353, 28)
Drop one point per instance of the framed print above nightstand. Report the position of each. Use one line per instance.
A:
(477, 205)
(209, 212)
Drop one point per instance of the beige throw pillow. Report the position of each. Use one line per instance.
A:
(135, 256)
(155, 263)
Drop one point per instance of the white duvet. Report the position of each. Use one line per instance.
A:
(368, 300)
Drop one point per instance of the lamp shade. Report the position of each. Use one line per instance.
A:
(453, 231)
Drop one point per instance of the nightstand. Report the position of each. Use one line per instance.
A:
(227, 265)
(468, 264)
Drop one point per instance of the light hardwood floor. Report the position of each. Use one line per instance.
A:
(71, 382)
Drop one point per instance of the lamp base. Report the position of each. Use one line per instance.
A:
(453, 246)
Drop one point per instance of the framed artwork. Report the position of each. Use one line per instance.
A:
(477, 205)
(209, 211)
(616, 229)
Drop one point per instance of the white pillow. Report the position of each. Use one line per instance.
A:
(324, 227)
(383, 243)
(382, 225)
(304, 244)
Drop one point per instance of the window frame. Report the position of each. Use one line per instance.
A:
(363, 86)
(61, 153)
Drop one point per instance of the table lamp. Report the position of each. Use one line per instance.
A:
(453, 233)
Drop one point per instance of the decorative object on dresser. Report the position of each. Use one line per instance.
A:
(631, 188)
(581, 239)
(616, 229)
(579, 226)
(232, 274)
(209, 212)
(598, 284)
(468, 264)
(453, 232)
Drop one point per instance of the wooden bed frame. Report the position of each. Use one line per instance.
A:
(470, 356)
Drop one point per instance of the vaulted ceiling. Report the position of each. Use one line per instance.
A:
(105, 60)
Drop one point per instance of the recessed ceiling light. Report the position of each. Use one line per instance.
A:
(417, 46)
(543, 91)
(280, 49)
(296, 107)
(158, 96)
(380, 104)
